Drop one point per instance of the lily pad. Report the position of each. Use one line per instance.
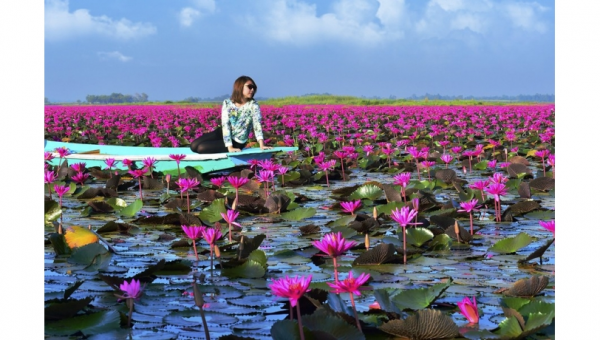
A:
(419, 298)
(95, 323)
(511, 244)
(299, 214)
(132, 209)
(368, 191)
(540, 215)
(212, 213)
(418, 236)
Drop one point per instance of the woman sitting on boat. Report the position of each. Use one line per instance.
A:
(239, 114)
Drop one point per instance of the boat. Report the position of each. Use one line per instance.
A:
(95, 155)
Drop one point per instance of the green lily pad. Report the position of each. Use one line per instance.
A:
(418, 236)
(509, 328)
(116, 203)
(287, 330)
(477, 334)
(538, 320)
(467, 195)
(514, 302)
(368, 191)
(51, 211)
(419, 298)
(299, 214)
(511, 244)
(132, 209)
(250, 270)
(540, 215)
(59, 244)
(537, 306)
(324, 321)
(212, 213)
(342, 221)
(289, 176)
(389, 207)
(441, 242)
(65, 309)
(96, 323)
(87, 254)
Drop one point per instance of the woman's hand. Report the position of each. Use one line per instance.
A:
(232, 149)
(263, 146)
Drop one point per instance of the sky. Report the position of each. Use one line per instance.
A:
(177, 49)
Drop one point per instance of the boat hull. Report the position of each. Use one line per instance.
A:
(95, 155)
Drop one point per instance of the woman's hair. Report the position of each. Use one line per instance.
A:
(237, 95)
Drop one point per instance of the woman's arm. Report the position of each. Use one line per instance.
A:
(225, 127)
(257, 126)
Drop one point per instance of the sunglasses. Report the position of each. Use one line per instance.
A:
(252, 87)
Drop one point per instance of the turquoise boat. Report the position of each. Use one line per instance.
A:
(95, 155)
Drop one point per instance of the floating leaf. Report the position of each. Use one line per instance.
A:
(441, 242)
(383, 297)
(95, 323)
(514, 302)
(418, 236)
(65, 309)
(368, 191)
(117, 203)
(51, 211)
(419, 298)
(86, 254)
(59, 244)
(389, 207)
(132, 209)
(382, 253)
(286, 330)
(77, 236)
(425, 324)
(540, 215)
(299, 214)
(509, 328)
(342, 221)
(511, 244)
(212, 213)
(330, 326)
(250, 270)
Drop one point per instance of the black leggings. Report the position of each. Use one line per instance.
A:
(212, 142)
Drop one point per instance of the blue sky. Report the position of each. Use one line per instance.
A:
(177, 49)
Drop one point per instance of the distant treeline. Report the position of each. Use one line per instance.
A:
(116, 98)
(538, 98)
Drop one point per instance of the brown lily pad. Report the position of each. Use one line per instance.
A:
(542, 183)
(425, 324)
(446, 175)
(528, 287)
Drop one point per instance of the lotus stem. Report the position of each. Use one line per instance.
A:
(404, 242)
(195, 250)
(230, 240)
(471, 221)
(355, 314)
(335, 273)
(49, 191)
(300, 322)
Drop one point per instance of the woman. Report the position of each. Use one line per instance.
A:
(239, 114)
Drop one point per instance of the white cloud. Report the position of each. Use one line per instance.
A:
(296, 22)
(525, 15)
(370, 22)
(116, 55)
(60, 24)
(199, 8)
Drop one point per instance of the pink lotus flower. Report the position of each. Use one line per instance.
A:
(352, 286)
(211, 235)
(367, 149)
(498, 178)
(549, 225)
(48, 156)
(497, 190)
(293, 289)
(194, 232)
(469, 207)
(80, 177)
(326, 166)
(149, 163)
(78, 167)
(334, 245)
(62, 152)
(350, 207)
(237, 182)
(218, 181)
(138, 174)
(404, 216)
(230, 218)
(177, 159)
(469, 309)
(446, 159)
(131, 291)
(128, 163)
(402, 179)
(480, 185)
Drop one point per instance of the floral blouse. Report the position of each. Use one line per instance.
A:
(236, 121)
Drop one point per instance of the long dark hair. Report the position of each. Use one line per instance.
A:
(237, 96)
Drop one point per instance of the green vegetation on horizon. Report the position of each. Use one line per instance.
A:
(335, 100)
